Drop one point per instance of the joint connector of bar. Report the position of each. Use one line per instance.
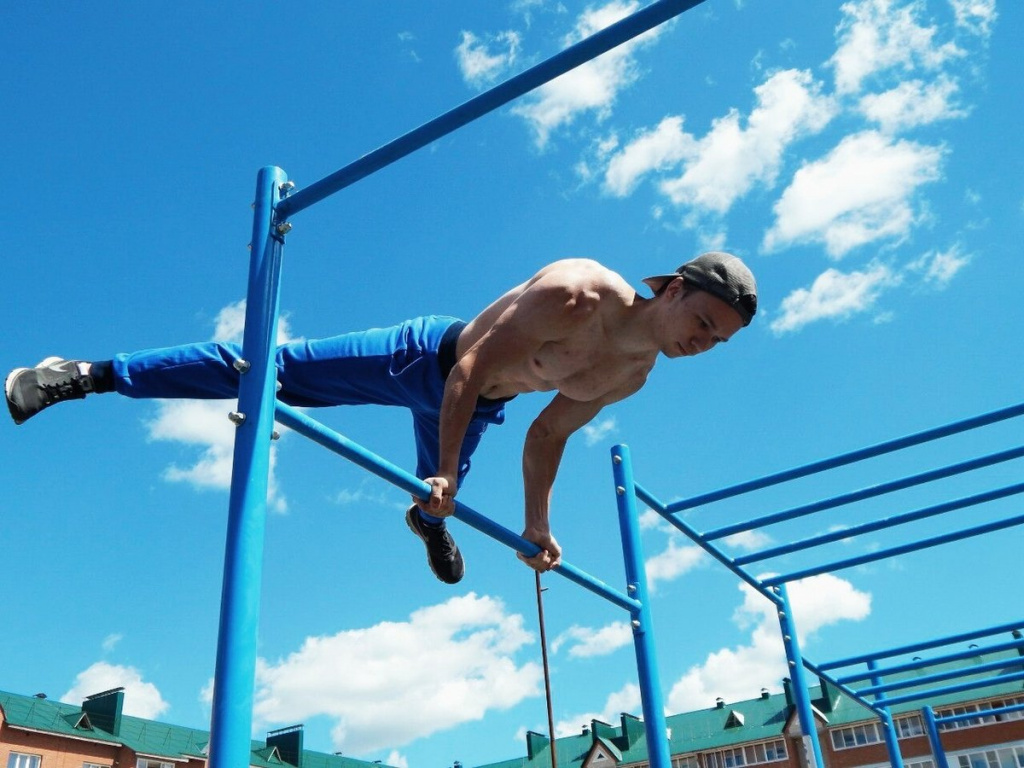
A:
(284, 228)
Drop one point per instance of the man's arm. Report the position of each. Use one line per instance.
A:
(548, 307)
(542, 455)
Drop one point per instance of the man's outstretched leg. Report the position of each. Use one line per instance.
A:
(31, 390)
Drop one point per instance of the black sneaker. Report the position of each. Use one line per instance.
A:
(442, 551)
(30, 390)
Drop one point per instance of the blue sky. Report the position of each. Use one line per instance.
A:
(863, 157)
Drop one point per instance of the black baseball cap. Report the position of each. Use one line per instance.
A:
(722, 275)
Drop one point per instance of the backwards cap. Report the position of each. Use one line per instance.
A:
(720, 274)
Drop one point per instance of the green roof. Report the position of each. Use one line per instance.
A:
(145, 737)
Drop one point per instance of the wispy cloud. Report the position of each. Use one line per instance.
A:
(599, 431)
(204, 423)
(587, 642)
(483, 62)
(591, 88)
(730, 673)
(397, 681)
(626, 699)
(675, 561)
(834, 295)
(861, 192)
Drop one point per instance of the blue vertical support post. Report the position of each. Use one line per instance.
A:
(234, 679)
(934, 740)
(643, 631)
(892, 743)
(796, 670)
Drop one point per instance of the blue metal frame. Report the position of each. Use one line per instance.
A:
(874, 696)
(239, 619)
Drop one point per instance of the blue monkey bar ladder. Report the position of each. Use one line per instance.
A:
(876, 695)
(276, 200)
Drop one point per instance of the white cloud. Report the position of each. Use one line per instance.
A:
(204, 423)
(817, 602)
(938, 268)
(394, 682)
(591, 87)
(860, 192)
(912, 103)
(731, 159)
(110, 641)
(479, 65)
(141, 699)
(876, 36)
(748, 540)
(976, 16)
(626, 699)
(675, 561)
(834, 295)
(597, 432)
(586, 642)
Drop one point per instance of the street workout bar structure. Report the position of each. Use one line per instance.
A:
(276, 201)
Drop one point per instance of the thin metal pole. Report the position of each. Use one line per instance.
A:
(892, 744)
(547, 670)
(610, 37)
(234, 678)
(643, 629)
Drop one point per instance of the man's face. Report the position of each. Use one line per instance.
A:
(695, 321)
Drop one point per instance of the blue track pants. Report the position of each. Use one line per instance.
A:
(384, 366)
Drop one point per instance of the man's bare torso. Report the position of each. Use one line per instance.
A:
(585, 354)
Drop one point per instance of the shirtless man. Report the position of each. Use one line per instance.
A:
(575, 328)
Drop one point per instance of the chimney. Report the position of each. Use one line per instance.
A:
(719, 703)
(104, 710)
(765, 694)
(288, 742)
(787, 688)
(535, 742)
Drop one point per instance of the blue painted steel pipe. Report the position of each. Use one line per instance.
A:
(850, 458)
(933, 738)
(949, 674)
(643, 630)
(868, 493)
(796, 671)
(922, 663)
(938, 642)
(234, 678)
(622, 31)
(644, 495)
(958, 688)
(892, 744)
(357, 454)
(852, 694)
(935, 541)
(877, 525)
(983, 713)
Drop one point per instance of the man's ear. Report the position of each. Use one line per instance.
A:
(675, 287)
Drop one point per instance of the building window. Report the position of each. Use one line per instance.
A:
(1007, 757)
(856, 735)
(143, 763)
(751, 754)
(982, 719)
(689, 761)
(94, 765)
(908, 726)
(19, 760)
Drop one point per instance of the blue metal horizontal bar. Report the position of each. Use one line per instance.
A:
(850, 692)
(938, 642)
(850, 458)
(357, 454)
(869, 493)
(922, 663)
(980, 714)
(887, 522)
(601, 42)
(901, 550)
(958, 688)
(645, 496)
(948, 674)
